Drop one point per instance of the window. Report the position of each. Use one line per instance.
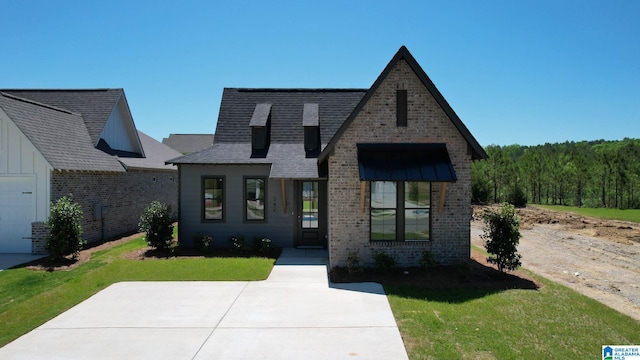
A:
(417, 200)
(400, 210)
(401, 107)
(383, 210)
(213, 198)
(254, 195)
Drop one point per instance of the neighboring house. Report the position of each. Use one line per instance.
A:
(188, 143)
(81, 142)
(355, 170)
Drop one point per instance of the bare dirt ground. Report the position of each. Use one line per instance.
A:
(598, 258)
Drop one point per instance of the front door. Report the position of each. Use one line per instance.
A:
(311, 217)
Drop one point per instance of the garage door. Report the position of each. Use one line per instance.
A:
(15, 214)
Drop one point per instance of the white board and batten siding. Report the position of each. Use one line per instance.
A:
(24, 187)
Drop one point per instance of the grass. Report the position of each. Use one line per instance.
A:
(553, 322)
(51, 293)
(632, 215)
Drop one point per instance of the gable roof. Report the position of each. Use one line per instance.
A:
(61, 125)
(188, 143)
(60, 135)
(404, 54)
(94, 105)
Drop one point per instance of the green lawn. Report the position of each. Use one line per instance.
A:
(30, 298)
(632, 215)
(553, 322)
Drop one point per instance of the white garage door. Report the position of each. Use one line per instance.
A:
(15, 214)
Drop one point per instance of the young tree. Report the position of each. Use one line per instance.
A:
(502, 235)
(157, 222)
(64, 229)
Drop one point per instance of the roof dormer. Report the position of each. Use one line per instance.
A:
(260, 130)
(311, 124)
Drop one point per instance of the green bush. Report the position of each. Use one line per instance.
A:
(156, 221)
(353, 263)
(384, 263)
(428, 261)
(203, 243)
(261, 244)
(502, 235)
(64, 229)
(238, 245)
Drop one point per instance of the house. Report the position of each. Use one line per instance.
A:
(188, 143)
(354, 170)
(81, 142)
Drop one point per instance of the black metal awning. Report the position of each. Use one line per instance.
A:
(405, 162)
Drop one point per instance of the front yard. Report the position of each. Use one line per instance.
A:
(455, 323)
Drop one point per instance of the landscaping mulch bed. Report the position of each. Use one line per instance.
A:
(150, 253)
(477, 274)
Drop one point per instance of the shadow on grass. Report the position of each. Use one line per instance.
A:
(452, 284)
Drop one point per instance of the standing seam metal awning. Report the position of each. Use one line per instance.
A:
(405, 162)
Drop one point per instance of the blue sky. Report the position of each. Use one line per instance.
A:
(525, 72)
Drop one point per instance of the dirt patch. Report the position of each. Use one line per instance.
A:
(614, 230)
(477, 274)
(598, 258)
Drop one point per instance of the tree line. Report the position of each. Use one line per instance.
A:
(588, 173)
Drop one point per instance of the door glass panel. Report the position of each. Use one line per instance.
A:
(309, 205)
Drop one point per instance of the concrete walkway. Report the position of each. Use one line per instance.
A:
(295, 314)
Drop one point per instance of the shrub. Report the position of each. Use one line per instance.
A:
(261, 244)
(157, 223)
(502, 235)
(384, 262)
(203, 243)
(64, 228)
(353, 263)
(428, 261)
(239, 245)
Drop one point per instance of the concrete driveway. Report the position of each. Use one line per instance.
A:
(294, 314)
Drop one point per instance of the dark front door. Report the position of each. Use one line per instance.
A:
(311, 228)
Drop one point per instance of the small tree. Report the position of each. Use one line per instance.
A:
(157, 222)
(64, 229)
(502, 235)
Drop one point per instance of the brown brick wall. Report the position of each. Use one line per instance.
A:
(376, 122)
(125, 194)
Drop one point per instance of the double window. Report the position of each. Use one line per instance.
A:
(213, 198)
(400, 210)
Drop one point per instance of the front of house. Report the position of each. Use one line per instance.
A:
(354, 170)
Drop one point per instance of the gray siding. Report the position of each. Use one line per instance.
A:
(279, 226)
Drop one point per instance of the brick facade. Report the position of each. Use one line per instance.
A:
(349, 227)
(125, 194)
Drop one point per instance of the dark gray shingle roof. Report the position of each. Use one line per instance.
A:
(188, 143)
(238, 105)
(286, 152)
(95, 105)
(156, 155)
(60, 135)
